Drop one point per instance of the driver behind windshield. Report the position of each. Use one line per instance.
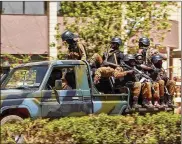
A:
(55, 75)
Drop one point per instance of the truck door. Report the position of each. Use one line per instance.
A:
(70, 101)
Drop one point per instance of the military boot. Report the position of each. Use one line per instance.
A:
(135, 102)
(163, 102)
(147, 103)
(157, 105)
(170, 101)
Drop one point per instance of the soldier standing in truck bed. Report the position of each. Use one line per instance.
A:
(76, 48)
(147, 51)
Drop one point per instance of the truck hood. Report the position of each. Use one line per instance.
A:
(14, 94)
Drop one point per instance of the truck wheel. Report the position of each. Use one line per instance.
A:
(10, 118)
(13, 118)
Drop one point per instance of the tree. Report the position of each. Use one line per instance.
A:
(15, 60)
(98, 22)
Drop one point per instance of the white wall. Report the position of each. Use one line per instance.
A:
(176, 15)
(52, 32)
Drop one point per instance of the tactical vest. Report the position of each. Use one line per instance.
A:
(74, 48)
(113, 56)
(77, 50)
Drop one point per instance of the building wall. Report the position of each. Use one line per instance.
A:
(21, 34)
(176, 62)
(176, 16)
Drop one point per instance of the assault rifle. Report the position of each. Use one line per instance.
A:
(130, 68)
(135, 70)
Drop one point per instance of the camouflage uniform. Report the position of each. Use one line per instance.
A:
(117, 73)
(136, 90)
(113, 56)
(143, 88)
(76, 47)
(96, 60)
(159, 84)
(107, 72)
(170, 84)
(77, 52)
(150, 52)
(146, 91)
(159, 93)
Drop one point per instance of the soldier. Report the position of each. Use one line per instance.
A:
(138, 87)
(76, 48)
(68, 80)
(139, 59)
(169, 84)
(140, 63)
(55, 75)
(147, 51)
(113, 55)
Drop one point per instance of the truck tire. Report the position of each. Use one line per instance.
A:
(13, 118)
(10, 118)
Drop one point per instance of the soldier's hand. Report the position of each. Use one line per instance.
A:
(70, 54)
(130, 72)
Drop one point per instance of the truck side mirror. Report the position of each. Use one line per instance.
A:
(58, 84)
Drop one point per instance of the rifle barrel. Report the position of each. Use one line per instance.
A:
(127, 66)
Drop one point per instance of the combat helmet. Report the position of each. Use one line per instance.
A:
(68, 35)
(128, 57)
(144, 41)
(156, 58)
(116, 40)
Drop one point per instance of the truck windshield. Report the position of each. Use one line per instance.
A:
(26, 77)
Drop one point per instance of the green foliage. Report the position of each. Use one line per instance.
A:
(163, 128)
(98, 22)
(18, 59)
(14, 60)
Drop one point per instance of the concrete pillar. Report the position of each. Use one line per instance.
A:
(124, 22)
(52, 14)
(168, 61)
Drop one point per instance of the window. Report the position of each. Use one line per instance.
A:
(58, 8)
(12, 7)
(34, 7)
(37, 8)
(26, 77)
(67, 75)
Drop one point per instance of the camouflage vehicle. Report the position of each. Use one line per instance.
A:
(34, 90)
(54, 89)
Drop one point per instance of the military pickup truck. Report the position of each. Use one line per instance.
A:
(56, 89)
(60, 88)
